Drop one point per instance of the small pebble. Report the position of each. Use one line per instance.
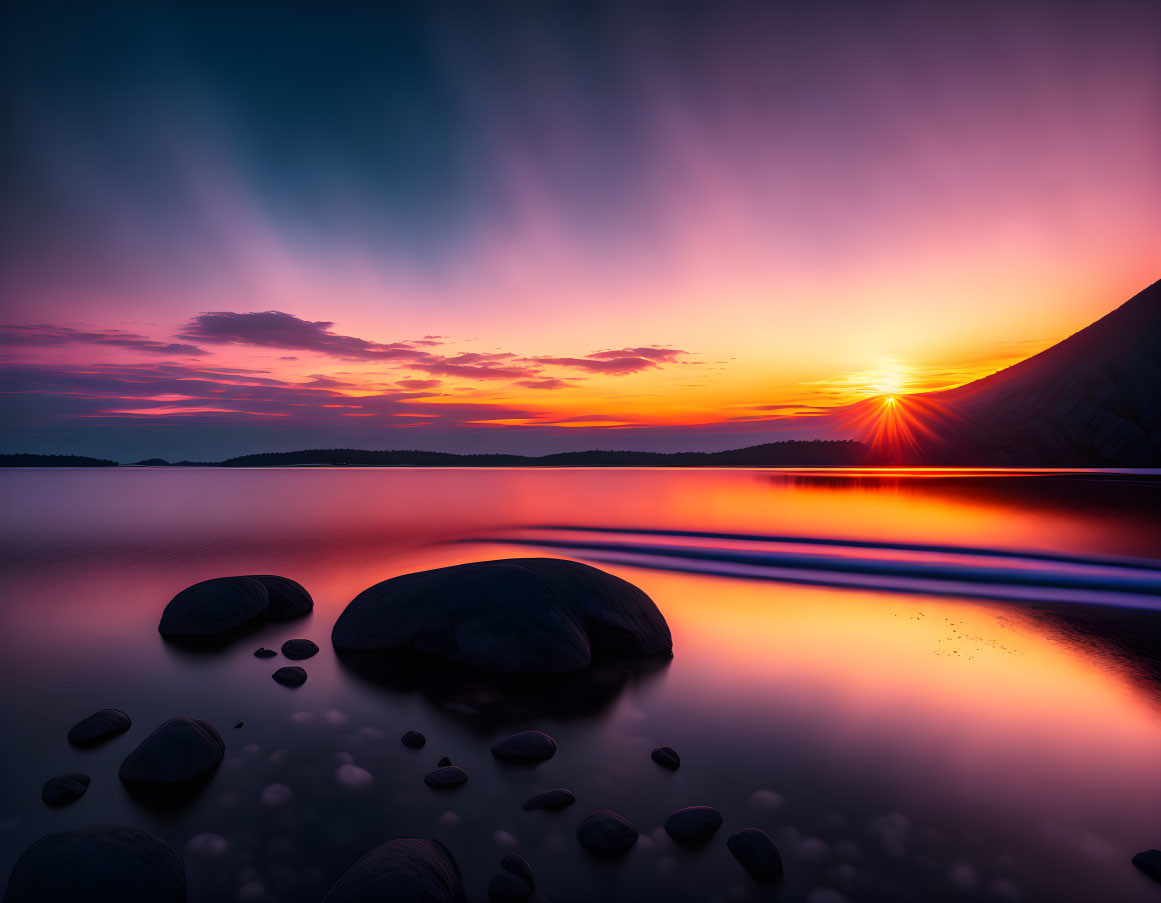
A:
(444, 778)
(413, 740)
(666, 757)
(291, 676)
(263, 652)
(65, 788)
(296, 650)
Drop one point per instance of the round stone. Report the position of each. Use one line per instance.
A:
(290, 676)
(99, 727)
(606, 834)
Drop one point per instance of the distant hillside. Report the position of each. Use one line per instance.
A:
(817, 452)
(1092, 400)
(53, 461)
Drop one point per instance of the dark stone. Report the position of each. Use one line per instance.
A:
(297, 650)
(444, 762)
(666, 757)
(693, 826)
(414, 740)
(287, 598)
(180, 750)
(214, 607)
(65, 788)
(448, 776)
(99, 727)
(506, 888)
(1150, 863)
(403, 871)
(517, 865)
(606, 834)
(551, 800)
(527, 746)
(757, 854)
(239, 725)
(263, 652)
(290, 676)
(514, 616)
(98, 864)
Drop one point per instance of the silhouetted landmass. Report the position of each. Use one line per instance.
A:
(53, 461)
(150, 462)
(814, 452)
(1093, 400)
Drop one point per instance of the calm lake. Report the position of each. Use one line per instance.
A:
(924, 685)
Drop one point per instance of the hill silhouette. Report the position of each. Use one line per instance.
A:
(26, 460)
(1092, 400)
(813, 452)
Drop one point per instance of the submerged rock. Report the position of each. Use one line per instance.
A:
(507, 888)
(290, 676)
(513, 616)
(65, 788)
(666, 757)
(1150, 863)
(296, 650)
(606, 834)
(180, 750)
(693, 826)
(526, 746)
(288, 599)
(757, 854)
(214, 607)
(99, 727)
(403, 871)
(414, 740)
(263, 652)
(443, 763)
(448, 776)
(98, 864)
(551, 800)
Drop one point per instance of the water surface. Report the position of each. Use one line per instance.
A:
(924, 685)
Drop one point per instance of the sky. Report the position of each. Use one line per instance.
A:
(529, 227)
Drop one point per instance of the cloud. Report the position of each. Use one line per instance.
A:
(419, 383)
(275, 329)
(652, 352)
(55, 336)
(546, 383)
(614, 366)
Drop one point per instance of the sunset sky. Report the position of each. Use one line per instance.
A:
(241, 227)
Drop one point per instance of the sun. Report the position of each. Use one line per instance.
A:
(889, 380)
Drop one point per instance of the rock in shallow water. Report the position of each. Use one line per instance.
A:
(65, 788)
(513, 616)
(297, 650)
(507, 888)
(414, 740)
(403, 871)
(288, 599)
(526, 746)
(180, 750)
(666, 757)
(263, 652)
(693, 826)
(99, 727)
(606, 834)
(1150, 863)
(446, 777)
(757, 854)
(517, 865)
(290, 676)
(213, 607)
(443, 763)
(551, 800)
(98, 864)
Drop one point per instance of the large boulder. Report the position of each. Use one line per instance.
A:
(288, 599)
(98, 864)
(512, 616)
(214, 607)
(403, 871)
(99, 727)
(179, 751)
